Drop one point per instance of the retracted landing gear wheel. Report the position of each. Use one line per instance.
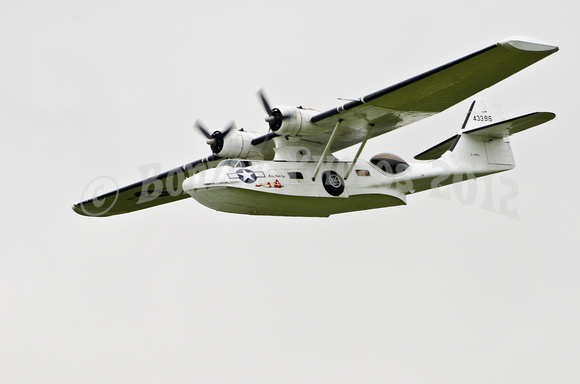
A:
(333, 183)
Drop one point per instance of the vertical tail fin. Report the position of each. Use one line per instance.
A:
(483, 152)
(484, 139)
(481, 148)
(482, 112)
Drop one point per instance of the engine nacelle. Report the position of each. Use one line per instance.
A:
(236, 144)
(292, 121)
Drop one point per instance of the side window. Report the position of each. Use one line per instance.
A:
(296, 175)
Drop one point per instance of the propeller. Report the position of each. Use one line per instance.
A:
(264, 99)
(216, 139)
(275, 117)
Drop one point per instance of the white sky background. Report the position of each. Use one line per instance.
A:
(439, 291)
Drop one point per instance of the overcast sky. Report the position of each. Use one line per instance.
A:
(474, 283)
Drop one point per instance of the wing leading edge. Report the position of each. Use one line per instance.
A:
(429, 93)
(161, 189)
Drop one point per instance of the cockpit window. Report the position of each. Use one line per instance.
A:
(389, 163)
(235, 163)
(228, 163)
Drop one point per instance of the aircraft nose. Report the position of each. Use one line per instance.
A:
(188, 184)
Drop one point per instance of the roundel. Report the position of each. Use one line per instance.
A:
(246, 175)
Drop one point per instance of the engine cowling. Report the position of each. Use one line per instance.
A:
(236, 144)
(292, 121)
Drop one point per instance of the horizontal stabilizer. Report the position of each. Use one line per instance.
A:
(438, 150)
(511, 126)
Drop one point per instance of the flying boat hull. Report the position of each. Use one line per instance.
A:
(288, 189)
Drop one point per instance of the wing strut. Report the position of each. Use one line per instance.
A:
(362, 145)
(328, 145)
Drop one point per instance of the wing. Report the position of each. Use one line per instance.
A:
(427, 94)
(161, 189)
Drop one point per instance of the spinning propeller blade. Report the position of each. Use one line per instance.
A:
(265, 102)
(275, 117)
(216, 139)
(199, 126)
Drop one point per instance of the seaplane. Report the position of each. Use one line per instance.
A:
(292, 169)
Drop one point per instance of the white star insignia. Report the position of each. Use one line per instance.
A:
(246, 175)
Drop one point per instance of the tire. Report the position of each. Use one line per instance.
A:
(333, 183)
